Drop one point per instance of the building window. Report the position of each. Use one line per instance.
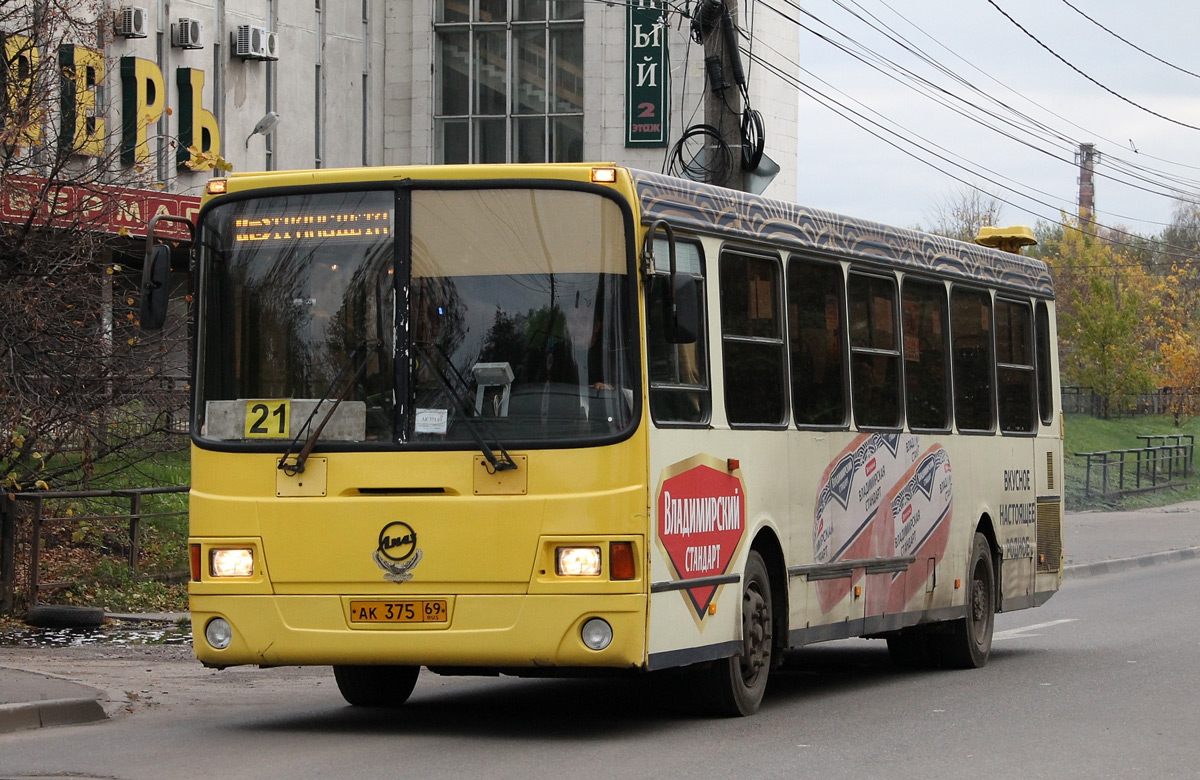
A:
(509, 79)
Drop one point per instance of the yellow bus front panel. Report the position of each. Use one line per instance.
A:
(338, 574)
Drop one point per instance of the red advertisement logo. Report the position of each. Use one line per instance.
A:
(701, 519)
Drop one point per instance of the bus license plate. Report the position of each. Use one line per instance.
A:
(407, 611)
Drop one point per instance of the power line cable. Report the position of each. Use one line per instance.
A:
(923, 86)
(1109, 156)
(896, 140)
(1064, 61)
(1129, 43)
(1184, 187)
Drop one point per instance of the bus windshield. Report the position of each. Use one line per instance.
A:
(518, 328)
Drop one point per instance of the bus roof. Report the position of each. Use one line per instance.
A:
(705, 208)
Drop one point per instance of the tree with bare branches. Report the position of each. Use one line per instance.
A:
(963, 212)
(82, 392)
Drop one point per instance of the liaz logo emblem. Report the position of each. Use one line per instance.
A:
(397, 553)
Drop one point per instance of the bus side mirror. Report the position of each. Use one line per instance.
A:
(681, 309)
(156, 278)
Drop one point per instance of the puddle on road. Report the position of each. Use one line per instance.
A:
(114, 632)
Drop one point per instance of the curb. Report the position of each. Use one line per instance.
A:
(1124, 564)
(52, 712)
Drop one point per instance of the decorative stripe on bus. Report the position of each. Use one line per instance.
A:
(707, 209)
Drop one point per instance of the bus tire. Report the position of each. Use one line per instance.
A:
(735, 685)
(376, 686)
(969, 642)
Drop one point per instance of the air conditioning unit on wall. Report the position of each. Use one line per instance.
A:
(252, 42)
(272, 46)
(133, 21)
(187, 34)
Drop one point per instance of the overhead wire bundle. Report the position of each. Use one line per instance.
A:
(702, 153)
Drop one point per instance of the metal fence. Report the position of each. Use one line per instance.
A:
(39, 519)
(1113, 473)
(1163, 401)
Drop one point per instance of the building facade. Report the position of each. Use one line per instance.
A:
(186, 85)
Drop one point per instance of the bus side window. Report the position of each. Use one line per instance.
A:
(752, 340)
(1014, 365)
(1045, 381)
(816, 318)
(971, 335)
(874, 351)
(679, 386)
(926, 380)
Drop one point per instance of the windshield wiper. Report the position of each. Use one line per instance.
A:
(501, 462)
(292, 469)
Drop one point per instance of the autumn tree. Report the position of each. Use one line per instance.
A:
(1106, 314)
(82, 393)
(1177, 289)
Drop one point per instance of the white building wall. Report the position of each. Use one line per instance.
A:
(294, 141)
(395, 48)
(398, 74)
(420, 150)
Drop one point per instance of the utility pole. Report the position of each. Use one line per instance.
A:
(1086, 160)
(723, 107)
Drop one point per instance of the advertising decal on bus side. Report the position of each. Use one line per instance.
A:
(701, 522)
(881, 498)
(915, 521)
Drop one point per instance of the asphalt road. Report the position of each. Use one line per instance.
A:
(1098, 683)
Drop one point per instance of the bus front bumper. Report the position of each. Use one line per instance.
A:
(501, 631)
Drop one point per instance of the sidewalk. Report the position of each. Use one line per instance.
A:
(1096, 543)
(1107, 542)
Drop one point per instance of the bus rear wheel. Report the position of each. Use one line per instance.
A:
(376, 686)
(969, 642)
(736, 685)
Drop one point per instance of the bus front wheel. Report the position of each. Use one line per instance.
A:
(736, 685)
(376, 686)
(969, 642)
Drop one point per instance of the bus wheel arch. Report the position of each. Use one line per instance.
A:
(767, 545)
(734, 686)
(988, 530)
(967, 642)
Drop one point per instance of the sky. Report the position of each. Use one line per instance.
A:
(1145, 160)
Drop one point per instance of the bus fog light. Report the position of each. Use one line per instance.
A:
(597, 634)
(219, 633)
(231, 563)
(577, 561)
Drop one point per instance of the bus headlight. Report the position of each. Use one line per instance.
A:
(219, 633)
(237, 562)
(597, 634)
(577, 561)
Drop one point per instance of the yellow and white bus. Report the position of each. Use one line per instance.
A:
(562, 419)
